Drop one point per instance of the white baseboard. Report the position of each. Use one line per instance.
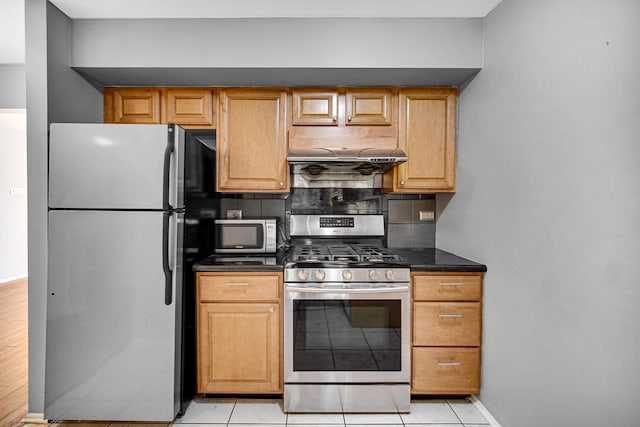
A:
(34, 418)
(12, 279)
(484, 411)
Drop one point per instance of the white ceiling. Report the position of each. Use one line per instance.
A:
(12, 12)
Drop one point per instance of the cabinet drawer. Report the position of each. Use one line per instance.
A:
(445, 371)
(447, 288)
(239, 288)
(446, 323)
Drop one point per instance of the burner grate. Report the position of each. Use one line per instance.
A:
(342, 252)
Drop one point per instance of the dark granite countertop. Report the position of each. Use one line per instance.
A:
(420, 259)
(242, 262)
(433, 259)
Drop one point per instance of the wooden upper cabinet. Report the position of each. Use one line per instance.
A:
(251, 138)
(369, 107)
(342, 107)
(188, 106)
(314, 107)
(427, 123)
(132, 105)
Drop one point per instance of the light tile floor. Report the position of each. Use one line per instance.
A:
(251, 412)
(203, 412)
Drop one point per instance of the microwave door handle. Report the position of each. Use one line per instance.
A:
(347, 290)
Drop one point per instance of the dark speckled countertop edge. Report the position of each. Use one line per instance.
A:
(419, 259)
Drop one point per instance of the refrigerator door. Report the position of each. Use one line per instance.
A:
(114, 166)
(113, 339)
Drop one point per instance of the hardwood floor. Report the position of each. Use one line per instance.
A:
(13, 352)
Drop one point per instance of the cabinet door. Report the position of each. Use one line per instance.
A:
(427, 135)
(369, 107)
(447, 287)
(132, 105)
(315, 108)
(446, 323)
(239, 348)
(252, 150)
(445, 370)
(188, 106)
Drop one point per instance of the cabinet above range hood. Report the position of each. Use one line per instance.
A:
(342, 167)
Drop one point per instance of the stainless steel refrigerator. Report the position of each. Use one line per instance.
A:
(114, 344)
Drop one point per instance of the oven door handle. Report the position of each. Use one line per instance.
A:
(347, 290)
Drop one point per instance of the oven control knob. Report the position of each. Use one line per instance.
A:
(347, 275)
(303, 274)
(374, 275)
(390, 274)
(320, 275)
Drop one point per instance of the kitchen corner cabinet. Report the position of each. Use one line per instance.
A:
(239, 333)
(185, 106)
(342, 107)
(446, 333)
(426, 132)
(251, 138)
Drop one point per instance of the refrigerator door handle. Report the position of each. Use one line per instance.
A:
(167, 170)
(168, 272)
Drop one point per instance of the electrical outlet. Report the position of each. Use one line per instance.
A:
(427, 215)
(234, 214)
(17, 191)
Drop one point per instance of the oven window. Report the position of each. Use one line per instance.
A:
(346, 335)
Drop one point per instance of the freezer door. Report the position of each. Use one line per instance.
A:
(113, 340)
(114, 166)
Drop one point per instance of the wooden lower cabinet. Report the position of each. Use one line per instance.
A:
(445, 370)
(239, 333)
(446, 333)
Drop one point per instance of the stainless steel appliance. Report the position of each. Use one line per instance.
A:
(114, 338)
(341, 167)
(245, 235)
(347, 319)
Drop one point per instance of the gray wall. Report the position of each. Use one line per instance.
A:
(278, 52)
(54, 92)
(277, 43)
(548, 198)
(12, 86)
(36, 75)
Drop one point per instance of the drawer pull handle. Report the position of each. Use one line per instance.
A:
(238, 284)
(449, 316)
(451, 363)
(450, 284)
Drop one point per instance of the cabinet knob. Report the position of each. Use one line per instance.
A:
(402, 182)
(281, 183)
(335, 118)
(349, 118)
(272, 309)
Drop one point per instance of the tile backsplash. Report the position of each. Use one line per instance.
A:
(406, 227)
(402, 212)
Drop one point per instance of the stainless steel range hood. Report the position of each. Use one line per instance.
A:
(342, 167)
(361, 159)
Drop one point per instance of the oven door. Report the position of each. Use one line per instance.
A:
(338, 335)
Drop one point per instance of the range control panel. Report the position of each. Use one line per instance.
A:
(342, 221)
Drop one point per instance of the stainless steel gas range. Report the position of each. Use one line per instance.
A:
(347, 318)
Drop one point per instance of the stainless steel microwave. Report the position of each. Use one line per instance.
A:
(245, 235)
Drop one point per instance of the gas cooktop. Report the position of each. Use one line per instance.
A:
(345, 252)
